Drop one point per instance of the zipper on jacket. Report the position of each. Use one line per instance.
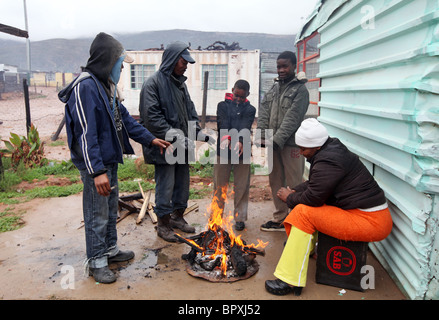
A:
(108, 111)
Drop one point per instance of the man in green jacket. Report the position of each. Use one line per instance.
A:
(283, 110)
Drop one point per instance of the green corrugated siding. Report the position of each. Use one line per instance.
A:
(380, 96)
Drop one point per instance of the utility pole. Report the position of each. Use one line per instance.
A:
(27, 42)
(26, 82)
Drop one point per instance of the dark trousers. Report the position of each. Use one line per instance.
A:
(241, 186)
(171, 189)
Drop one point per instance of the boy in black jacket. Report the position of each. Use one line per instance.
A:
(235, 116)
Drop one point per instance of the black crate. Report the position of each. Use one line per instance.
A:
(339, 262)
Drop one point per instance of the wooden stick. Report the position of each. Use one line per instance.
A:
(141, 190)
(181, 239)
(144, 206)
(123, 216)
(191, 208)
(151, 213)
(127, 206)
(142, 212)
(130, 197)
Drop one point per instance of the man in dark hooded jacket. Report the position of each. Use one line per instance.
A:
(98, 129)
(167, 111)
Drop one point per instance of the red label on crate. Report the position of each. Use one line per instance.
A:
(341, 260)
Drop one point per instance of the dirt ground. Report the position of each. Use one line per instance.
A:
(44, 259)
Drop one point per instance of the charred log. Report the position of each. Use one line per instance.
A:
(237, 259)
(205, 261)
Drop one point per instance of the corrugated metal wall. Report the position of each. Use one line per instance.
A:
(379, 65)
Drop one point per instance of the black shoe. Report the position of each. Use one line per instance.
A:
(102, 275)
(239, 225)
(273, 226)
(121, 256)
(280, 288)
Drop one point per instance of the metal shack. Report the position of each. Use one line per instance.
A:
(225, 67)
(376, 63)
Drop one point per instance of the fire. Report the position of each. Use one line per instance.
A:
(217, 254)
(219, 225)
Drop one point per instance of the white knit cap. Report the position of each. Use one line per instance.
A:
(311, 134)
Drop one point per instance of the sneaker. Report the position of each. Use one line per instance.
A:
(102, 275)
(239, 225)
(273, 226)
(121, 256)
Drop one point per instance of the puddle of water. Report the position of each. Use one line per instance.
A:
(154, 257)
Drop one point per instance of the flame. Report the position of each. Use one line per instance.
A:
(219, 224)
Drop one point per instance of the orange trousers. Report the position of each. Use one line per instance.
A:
(348, 225)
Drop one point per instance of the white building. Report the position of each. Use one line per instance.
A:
(225, 68)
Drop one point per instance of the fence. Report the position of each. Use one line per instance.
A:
(35, 105)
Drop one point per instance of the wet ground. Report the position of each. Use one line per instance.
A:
(43, 260)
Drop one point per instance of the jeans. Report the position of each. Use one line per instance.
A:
(100, 215)
(172, 188)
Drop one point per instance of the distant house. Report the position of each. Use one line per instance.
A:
(10, 78)
(376, 66)
(224, 67)
(51, 79)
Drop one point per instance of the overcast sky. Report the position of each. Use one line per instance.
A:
(50, 19)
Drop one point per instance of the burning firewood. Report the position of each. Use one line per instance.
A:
(217, 254)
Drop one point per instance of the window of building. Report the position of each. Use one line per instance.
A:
(307, 55)
(217, 76)
(139, 73)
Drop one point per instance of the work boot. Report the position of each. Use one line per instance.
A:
(102, 275)
(164, 229)
(177, 221)
(121, 256)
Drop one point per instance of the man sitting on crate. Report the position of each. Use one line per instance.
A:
(341, 199)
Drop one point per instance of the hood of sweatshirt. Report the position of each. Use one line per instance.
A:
(105, 51)
(171, 56)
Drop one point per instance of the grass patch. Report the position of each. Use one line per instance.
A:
(9, 220)
(130, 174)
(201, 170)
(200, 193)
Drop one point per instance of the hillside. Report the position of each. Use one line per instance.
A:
(68, 55)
